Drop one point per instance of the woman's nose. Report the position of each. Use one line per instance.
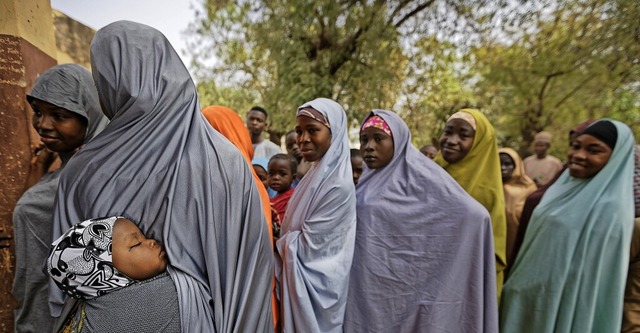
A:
(44, 122)
(579, 154)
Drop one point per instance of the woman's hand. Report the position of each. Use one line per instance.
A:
(41, 160)
(42, 157)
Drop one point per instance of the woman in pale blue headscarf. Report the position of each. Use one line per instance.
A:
(424, 258)
(183, 183)
(570, 273)
(317, 235)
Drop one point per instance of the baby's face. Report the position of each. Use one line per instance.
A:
(134, 255)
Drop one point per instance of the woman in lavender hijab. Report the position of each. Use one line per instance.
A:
(423, 258)
(181, 181)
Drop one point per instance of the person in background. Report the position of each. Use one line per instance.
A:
(542, 167)
(229, 124)
(631, 309)
(570, 273)
(256, 124)
(294, 151)
(469, 153)
(66, 115)
(261, 167)
(282, 172)
(356, 165)
(181, 181)
(429, 151)
(425, 262)
(318, 232)
(517, 187)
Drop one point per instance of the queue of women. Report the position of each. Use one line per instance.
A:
(159, 223)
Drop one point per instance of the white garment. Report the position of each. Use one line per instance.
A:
(266, 149)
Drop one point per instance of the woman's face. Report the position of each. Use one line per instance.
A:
(376, 147)
(456, 140)
(135, 255)
(587, 156)
(60, 130)
(506, 166)
(314, 138)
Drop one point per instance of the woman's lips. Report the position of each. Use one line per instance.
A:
(48, 140)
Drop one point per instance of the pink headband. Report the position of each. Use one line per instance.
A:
(377, 122)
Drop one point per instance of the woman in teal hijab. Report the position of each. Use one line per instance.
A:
(570, 273)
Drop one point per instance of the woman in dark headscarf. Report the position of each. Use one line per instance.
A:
(424, 257)
(179, 179)
(570, 274)
(66, 116)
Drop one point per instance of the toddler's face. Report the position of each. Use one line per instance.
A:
(280, 176)
(134, 255)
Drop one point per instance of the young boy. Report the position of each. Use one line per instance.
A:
(112, 251)
(282, 172)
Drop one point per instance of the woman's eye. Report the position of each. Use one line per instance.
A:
(594, 151)
(37, 113)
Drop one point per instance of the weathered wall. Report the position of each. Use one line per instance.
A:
(27, 47)
(72, 40)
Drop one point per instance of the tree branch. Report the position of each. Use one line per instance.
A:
(414, 12)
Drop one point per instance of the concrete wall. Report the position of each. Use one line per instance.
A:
(72, 40)
(33, 38)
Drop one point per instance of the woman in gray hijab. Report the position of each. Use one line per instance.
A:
(180, 180)
(66, 115)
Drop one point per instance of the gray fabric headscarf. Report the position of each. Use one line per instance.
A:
(318, 231)
(71, 87)
(186, 185)
(424, 259)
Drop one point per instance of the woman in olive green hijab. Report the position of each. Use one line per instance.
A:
(469, 153)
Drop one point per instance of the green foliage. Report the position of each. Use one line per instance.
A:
(287, 52)
(577, 62)
(528, 65)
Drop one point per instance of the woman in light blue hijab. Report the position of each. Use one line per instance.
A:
(318, 231)
(570, 273)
